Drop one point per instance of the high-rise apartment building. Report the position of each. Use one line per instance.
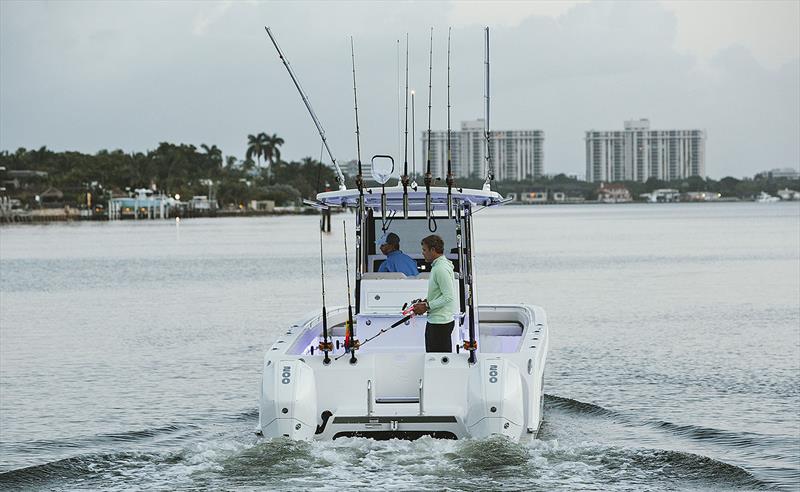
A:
(639, 153)
(516, 154)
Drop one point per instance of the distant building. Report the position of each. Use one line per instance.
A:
(534, 197)
(700, 196)
(662, 195)
(516, 154)
(262, 205)
(145, 204)
(16, 179)
(613, 193)
(51, 198)
(786, 172)
(638, 153)
(350, 169)
(201, 203)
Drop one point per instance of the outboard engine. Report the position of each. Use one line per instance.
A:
(288, 404)
(495, 399)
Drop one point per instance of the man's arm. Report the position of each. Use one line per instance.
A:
(384, 266)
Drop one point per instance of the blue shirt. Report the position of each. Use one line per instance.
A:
(397, 261)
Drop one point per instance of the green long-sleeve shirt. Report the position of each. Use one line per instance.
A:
(440, 291)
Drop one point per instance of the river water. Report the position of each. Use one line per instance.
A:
(130, 353)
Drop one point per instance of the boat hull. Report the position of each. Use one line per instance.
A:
(407, 394)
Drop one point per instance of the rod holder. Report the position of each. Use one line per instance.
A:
(370, 399)
(383, 206)
(421, 404)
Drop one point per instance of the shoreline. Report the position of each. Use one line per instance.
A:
(46, 216)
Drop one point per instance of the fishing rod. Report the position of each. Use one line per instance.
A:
(359, 184)
(399, 133)
(413, 147)
(428, 177)
(408, 313)
(487, 185)
(350, 341)
(450, 179)
(404, 178)
(339, 175)
(359, 176)
(325, 345)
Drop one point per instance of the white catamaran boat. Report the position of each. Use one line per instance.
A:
(364, 371)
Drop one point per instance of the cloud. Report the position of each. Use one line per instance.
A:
(86, 76)
(210, 15)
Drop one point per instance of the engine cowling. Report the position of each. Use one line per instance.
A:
(288, 404)
(495, 399)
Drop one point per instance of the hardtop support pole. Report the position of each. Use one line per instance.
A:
(462, 304)
(472, 345)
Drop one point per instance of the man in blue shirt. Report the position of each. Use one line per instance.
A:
(396, 260)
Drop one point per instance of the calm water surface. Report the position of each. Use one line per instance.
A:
(130, 353)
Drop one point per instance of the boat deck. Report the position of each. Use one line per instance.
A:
(501, 330)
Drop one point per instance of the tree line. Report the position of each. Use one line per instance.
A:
(186, 170)
(175, 169)
(727, 187)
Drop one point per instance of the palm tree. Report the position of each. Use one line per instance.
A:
(256, 146)
(272, 153)
(214, 153)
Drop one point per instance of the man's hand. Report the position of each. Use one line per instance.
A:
(420, 308)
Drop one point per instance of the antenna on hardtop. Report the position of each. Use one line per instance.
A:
(487, 185)
(339, 175)
(404, 178)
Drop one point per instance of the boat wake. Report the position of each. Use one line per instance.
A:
(694, 432)
(234, 458)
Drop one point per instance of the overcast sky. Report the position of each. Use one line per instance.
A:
(105, 75)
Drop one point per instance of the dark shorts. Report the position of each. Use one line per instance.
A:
(437, 337)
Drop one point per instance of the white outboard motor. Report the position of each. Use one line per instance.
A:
(495, 399)
(288, 400)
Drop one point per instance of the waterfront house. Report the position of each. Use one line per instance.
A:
(613, 193)
(661, 195)
(144, 204)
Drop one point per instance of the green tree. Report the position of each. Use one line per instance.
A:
(256, 147)
(272, 152)
(214, 154)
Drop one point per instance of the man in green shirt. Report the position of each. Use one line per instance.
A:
(439, 304)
